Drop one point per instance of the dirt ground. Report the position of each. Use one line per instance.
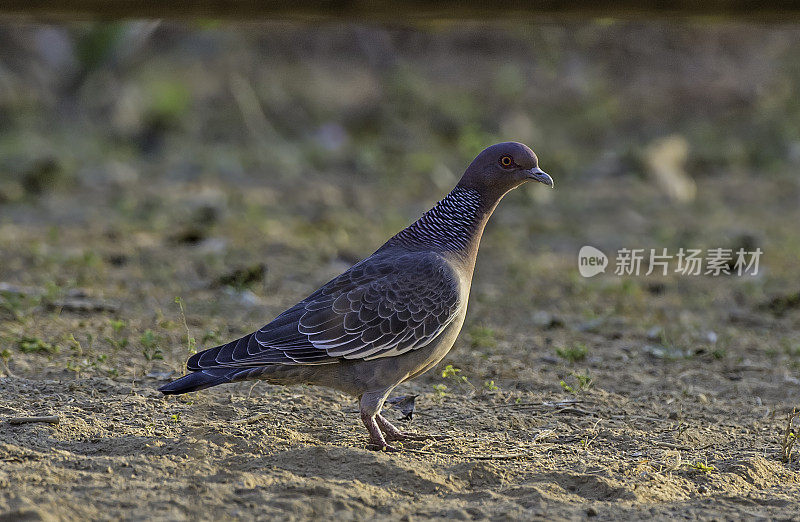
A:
(175, 214)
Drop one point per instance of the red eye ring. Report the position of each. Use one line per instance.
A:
(506, 161)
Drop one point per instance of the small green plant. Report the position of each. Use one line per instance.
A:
(454, 374)
(440, 389)
(482, 337)
(191, 342)
(5, 357)
(13, 304)
(117, 342)
(789, 437)
(75, 345)
(490, 386)
(790, 349)
(175, 417)
(577, 352)
(451, 372)
(211, 336)
(117, 325)
(150, 349)
(705, 467)
(72, 366)
(35, 345)
(587, 441)
(584, 381)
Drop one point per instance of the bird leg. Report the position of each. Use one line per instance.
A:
(391, 432)
(376, 440)
(370, 406)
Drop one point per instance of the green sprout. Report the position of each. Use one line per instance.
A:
(705, 467)
(490, 386)
(451, 372)
(577, 353)
(35, 345)
(149, 344)
(116, 325)
(440, 389)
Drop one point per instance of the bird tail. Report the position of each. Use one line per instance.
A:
(201, 380)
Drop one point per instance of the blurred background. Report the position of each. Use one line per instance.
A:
(169, 186)
(238, 166)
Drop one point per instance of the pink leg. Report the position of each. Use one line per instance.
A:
(391, 432)
(376, 440)
(371, 403)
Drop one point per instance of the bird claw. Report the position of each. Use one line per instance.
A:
(388, 448)
(377, 423)
(404, 435)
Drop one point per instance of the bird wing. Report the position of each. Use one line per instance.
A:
(381, 307)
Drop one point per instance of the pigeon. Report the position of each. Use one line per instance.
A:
(387, 319)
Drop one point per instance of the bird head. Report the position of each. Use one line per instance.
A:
(504, 167)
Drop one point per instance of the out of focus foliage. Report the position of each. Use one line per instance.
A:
(148, 160)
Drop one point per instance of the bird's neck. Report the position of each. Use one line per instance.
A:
(454, 226)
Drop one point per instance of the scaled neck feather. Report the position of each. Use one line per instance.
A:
(453, 225)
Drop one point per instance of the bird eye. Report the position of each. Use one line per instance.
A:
(506, 161)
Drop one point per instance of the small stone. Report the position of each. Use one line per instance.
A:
(591, 512)
(654, 333)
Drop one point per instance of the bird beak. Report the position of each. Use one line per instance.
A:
(541, 176)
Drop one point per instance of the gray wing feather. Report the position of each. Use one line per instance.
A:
(381, 307)
(387, 309)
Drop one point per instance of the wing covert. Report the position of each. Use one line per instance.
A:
(381, 307)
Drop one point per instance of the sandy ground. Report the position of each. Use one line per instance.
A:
(643, 424)
(245, 185)
(122, 451)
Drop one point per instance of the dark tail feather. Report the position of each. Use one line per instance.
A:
(200, 380)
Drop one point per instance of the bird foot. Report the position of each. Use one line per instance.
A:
(376, 440)
(393, 434)
(404, 435)
(384, 446)
(420, 436)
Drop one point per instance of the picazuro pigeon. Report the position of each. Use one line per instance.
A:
(387, 319)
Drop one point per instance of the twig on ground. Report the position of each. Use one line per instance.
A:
(250, 420)
(49, 419)
(502, 456)
(670, 445)
(636, 417)
(576, 411)
(546, 404)
(422, 451)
